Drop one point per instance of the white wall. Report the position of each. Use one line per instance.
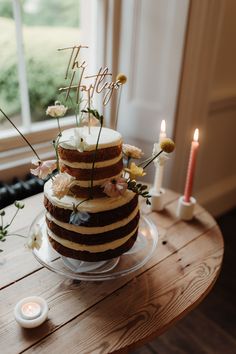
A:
(218, 168)
(194, 87)
(151, 47)
(208, 100)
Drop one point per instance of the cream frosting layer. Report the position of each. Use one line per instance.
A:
(108, 138)
(88, 165)
(94, 248)
(97, 182)
(91, 206)
(94, 229)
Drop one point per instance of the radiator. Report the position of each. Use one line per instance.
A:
(19, 189)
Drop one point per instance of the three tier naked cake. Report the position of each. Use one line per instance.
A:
(86, 223)
(92, 210)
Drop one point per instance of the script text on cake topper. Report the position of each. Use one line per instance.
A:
(83, 82)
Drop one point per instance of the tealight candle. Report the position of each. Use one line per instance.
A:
(31, 312)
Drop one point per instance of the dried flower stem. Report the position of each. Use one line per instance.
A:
(4, 229)
(84, 200)
(128, 161)
(154, 157)
(75, 109)
(16, 235)
(76, 115)
(58, 124)
(2, 221)
(17, 210)
(117, 108)
(94, 157)
(145, 161)
(23, 137)
(55, 145)
(89, 117)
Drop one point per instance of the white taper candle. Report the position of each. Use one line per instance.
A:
(159, 172)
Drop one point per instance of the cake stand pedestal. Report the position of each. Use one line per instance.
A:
(127, 263)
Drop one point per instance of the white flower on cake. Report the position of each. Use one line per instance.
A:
(35, 239)
(61, 185)
(58, 110)
(44, 168)
(79, 139)
(132, 151)
(135, 171)
(115, 187)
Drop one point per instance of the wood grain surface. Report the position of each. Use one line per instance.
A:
(115, 315)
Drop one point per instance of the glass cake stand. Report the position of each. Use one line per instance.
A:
(127, 263)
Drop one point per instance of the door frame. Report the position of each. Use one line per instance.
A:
(195, 101)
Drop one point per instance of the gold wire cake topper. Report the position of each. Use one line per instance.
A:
(99, 85)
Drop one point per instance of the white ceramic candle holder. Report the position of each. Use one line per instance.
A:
(185, 209)
(29, 319)
(157, 200)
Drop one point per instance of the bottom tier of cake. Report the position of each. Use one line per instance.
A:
(108, 227)
(95, 256)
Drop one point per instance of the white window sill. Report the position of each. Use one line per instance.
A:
(16, 156)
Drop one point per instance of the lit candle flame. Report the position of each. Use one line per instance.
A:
(163, 126)
(31, 310)
(196, 135)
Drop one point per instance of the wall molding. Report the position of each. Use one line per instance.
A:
(17, 162)
(222, 102)
(219, 197)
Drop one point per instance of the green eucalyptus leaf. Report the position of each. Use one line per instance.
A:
(143, 187)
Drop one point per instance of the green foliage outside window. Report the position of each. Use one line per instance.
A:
(55, 25)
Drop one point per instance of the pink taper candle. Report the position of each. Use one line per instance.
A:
(191, 167)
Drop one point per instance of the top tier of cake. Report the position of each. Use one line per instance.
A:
(77, 159)
(108, 138)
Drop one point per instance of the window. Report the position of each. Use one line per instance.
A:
(32, 70)
(41, 28)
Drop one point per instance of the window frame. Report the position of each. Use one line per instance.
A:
(39, 133)
(23, 83)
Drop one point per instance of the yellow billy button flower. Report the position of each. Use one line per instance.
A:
(121, 78)
(135, 171)
(167, 145)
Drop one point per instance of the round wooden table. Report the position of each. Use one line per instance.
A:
(116, 315)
